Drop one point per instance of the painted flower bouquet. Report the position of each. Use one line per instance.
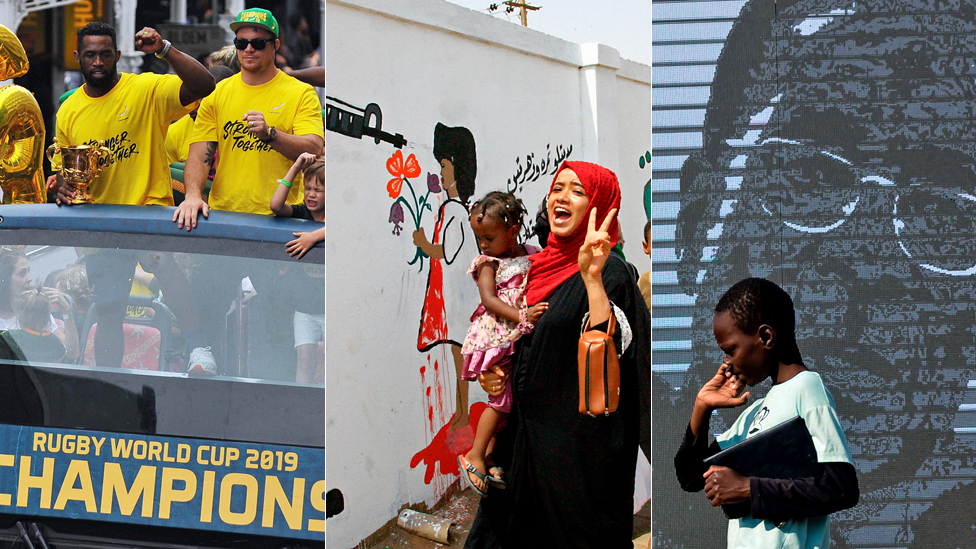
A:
(401, 171)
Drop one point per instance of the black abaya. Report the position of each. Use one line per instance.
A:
(571, 481)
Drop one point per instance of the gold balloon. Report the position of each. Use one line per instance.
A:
(13, 58)
(21, 129)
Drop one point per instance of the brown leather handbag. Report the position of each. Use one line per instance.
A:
(599, 371)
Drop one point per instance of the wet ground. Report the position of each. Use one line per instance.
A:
(460, 509)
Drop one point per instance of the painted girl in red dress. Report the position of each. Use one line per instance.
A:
(454, 149)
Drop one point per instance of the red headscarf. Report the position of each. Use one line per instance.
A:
(558, 261)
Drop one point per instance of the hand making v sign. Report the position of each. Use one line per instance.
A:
(596, 248)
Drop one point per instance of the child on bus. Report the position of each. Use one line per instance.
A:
(313, 208)
(500, 319)
(309, 325)
(35, 337)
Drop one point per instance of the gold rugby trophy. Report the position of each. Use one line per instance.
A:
(21, 129)
(79, 165)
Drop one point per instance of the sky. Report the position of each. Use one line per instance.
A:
(624, 25)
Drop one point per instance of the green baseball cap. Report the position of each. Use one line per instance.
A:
(256, 17)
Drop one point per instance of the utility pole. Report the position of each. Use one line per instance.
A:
(524, 7)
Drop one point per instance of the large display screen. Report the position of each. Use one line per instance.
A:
(829, 146)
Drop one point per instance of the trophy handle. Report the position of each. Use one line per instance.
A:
(106, 154)
(53, 150)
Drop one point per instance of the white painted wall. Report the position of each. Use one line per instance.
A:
(518, 91)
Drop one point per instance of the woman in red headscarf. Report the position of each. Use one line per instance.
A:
(571, 476)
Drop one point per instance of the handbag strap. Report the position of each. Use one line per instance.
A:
(611, 324)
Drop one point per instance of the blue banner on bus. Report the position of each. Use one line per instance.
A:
(163, 481)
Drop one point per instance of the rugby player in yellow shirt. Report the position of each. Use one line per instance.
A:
(259, 121)
(129, 114)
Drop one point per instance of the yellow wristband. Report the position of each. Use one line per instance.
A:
(285, 183)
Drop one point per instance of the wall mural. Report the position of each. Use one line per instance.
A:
(837, 157)
(450, 430)
(400, 171)
(448, 250)
(447, 444)
(357, 124)
(534, 169)
(532, 172)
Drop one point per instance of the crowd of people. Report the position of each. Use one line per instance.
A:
(238, 134)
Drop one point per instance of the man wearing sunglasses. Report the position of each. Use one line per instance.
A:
(258, 121)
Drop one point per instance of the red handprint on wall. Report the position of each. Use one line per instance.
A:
(447, 444)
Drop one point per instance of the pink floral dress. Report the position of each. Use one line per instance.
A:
(491, 339)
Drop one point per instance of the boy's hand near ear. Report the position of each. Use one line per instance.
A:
(724, 390)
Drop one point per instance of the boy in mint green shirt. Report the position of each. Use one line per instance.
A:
(754, 327)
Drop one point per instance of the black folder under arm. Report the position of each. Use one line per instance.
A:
(776, 500)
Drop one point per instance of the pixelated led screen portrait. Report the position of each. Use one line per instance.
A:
(829, 146)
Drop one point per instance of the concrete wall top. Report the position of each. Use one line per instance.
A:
(448, 17)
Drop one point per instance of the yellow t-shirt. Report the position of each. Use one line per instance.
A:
(178, 139)
(131, 120)
(247, 169)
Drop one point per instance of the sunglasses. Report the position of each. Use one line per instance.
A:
(256, 43)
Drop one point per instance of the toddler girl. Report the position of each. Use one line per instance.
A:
(499, 320)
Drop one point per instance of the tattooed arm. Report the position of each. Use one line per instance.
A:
(198, 165)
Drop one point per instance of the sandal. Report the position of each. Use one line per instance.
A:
(467, 470)
(499, 481)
